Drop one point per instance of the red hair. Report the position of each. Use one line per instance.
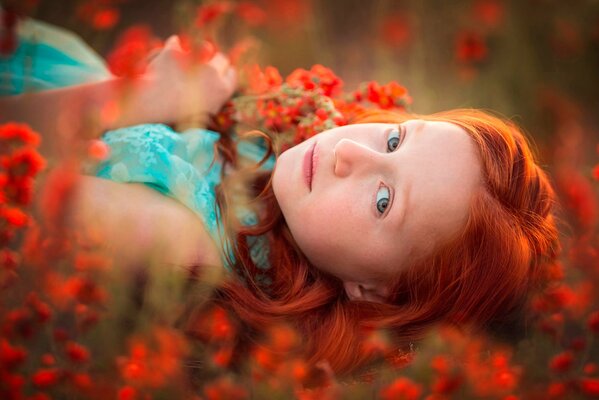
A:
(482, 278)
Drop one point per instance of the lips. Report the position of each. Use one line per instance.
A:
(309, 166)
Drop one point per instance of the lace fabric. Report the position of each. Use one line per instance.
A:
(180, 165)
(183, 166)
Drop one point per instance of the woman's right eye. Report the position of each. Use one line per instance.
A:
(383, 197)
(393, 140)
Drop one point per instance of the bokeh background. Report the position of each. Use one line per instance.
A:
(517, 57)
(534, 61)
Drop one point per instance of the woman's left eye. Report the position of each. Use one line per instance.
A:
(383, 196)
(393, 140)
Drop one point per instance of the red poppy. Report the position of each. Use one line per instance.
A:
(9, 259)
(578, 196)
(590, 368)
(447, 384)
(14, 216)
(318, 76)
(90, 261)
(11, 356)
(562, 362)
(129, 57)
(20, 133)
(106, 18)
(489, 12)
(127, 393)
(84, 290)
(48, 359)
(593, 322)
(81, 380)
(396, 31)
(224, 388)
(241, 49)
(471, 47)
(207, 14)
(401, 388)
(557, 389)
(589, 386)
(45, 378)
(76, 352)
(250, 13)
(205, 51)
(57, 193)
(24, 162)
(98, 150)
(42, 311)
(262, 80)
(440, 364)
(222, 357)
(39, 396)
(577, 344)
(287, 15)
(391, 95)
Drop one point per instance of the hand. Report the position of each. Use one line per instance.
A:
(190, 89)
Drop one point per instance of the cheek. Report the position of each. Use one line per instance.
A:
(283, 181)
(324, 230)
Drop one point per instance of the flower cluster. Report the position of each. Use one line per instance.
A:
(130, 54)
(100, 14)
(19, 164)
(47, 274)
(303, 104)
(151, 362)
(247, 11)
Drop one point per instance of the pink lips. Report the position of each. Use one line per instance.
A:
(309, 165)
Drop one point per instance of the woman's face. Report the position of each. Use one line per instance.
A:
(361, 200)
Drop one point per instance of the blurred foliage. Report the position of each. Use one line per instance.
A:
(527, 46)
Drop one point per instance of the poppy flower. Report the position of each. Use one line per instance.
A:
(401, 388)
(471, 47)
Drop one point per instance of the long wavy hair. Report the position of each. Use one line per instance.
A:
(482, 278)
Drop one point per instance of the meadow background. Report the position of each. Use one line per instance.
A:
(83, 335)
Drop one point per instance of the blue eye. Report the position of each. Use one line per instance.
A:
(382, 199)
(393, 140)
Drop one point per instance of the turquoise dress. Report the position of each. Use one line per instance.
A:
(183, 166)
(47, 57)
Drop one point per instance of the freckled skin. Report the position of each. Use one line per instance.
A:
(337, 224)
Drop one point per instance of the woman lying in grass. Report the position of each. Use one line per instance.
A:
(393, 221)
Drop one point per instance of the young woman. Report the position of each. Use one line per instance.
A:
(395, 222)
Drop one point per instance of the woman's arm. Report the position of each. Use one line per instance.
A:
(168, 92)
(89, 104)
(138, 225)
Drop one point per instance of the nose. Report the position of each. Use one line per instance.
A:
(351, 157)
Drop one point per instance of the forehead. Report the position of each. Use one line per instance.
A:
(444, 173)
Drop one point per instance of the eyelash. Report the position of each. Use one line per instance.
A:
(400, 138)
(377, 201)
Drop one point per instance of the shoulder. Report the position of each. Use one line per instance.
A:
(139, 224)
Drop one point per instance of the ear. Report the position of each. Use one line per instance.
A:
(377, 293)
